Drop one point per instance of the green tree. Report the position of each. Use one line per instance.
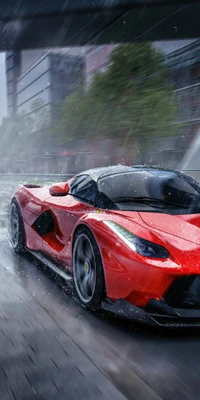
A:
(39, 115)
(131, 100)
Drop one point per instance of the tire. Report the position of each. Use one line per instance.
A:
(17, 228)
(88, 269)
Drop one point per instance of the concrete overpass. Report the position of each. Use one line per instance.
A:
(30, 24)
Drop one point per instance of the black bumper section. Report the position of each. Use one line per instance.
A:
(156, 313)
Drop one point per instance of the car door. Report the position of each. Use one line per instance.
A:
(66, 211)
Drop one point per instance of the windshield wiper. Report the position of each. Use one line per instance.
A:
(147, 200)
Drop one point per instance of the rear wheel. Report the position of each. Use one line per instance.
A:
(17, 228)
(87, 269)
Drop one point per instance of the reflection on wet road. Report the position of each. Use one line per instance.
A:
(141, 364)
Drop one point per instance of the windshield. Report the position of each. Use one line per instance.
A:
(151, 188)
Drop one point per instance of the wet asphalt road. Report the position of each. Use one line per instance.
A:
(141, 364)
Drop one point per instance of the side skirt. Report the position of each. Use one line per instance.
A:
(52, 265)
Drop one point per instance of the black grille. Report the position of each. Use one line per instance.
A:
(184, 292)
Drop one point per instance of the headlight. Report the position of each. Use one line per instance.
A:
(141, 246)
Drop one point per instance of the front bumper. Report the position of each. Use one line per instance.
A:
(180, 306)
(156, 313)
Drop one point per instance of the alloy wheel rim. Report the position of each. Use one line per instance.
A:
(84, 268)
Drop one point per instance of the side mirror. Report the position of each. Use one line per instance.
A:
(59, 189)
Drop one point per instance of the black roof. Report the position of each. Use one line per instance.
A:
(97, 173)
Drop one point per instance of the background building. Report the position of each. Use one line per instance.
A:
(182, 59)
(38, 81)
(48, 76)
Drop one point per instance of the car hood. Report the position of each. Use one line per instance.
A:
(183, 226)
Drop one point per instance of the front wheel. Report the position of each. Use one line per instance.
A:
(17, 228)
(87, 269)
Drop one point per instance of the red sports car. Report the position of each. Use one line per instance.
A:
(129, 237)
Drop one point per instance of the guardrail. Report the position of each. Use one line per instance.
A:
(34, 177)
(8, 182)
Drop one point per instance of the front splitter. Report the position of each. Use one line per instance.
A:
(163, 316)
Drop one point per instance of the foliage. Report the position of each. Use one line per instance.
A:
(40, 115)
(131, 99)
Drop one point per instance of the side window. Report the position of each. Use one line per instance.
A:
(85, 188)
(77, 184)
